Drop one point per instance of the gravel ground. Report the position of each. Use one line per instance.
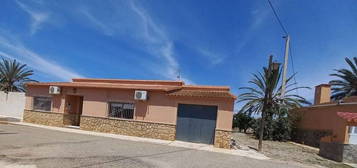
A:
(288, 151)
(39, 147)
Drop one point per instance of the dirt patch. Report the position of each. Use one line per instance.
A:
(287, 151)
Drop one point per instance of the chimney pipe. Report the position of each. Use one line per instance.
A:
(322, 94)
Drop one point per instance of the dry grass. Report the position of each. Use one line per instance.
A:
(287, 151)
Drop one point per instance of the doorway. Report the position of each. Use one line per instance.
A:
(196, 123)
(73, 110)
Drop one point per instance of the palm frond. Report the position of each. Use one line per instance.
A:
(346, 85)
(14, 75)
(264, 83)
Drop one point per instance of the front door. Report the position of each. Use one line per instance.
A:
(79, 112)
(196, 123)
(74, 105)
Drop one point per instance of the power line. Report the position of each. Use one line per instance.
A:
(286, 34)
(278, 18)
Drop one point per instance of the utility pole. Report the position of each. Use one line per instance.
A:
(285, 66)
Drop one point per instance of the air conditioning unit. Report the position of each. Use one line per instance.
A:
(55, 90)
(140, 95)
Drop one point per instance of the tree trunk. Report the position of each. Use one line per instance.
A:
(266, 106)
(261, 130)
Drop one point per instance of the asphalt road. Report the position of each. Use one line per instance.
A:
(39, 147)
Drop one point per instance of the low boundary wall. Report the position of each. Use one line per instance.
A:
(12, 105)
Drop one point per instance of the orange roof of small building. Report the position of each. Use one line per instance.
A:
(174, 88)
(350, 117)
(201, 87)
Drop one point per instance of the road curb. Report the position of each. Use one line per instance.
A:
(203, 147)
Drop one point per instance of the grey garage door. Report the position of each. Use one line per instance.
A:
(196, 123)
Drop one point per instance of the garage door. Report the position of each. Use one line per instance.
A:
(196, 123)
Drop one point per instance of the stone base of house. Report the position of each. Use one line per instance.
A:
(43, 118)
(339, 152)
(119, 126)
(310, 137)
(222, 139)
(129, 127)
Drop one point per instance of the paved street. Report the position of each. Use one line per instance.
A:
(39, 147)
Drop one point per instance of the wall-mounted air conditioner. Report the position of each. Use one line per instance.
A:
(140, 95)
(55, 90)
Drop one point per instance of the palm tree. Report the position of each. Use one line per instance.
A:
(347, 85)
(13, 76)
(265, 95)
(265, 85)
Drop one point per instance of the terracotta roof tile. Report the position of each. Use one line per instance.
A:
(106, 85)
(205, 87)
(129, 81)
(350, 117)
(174, 88)
(202, 93)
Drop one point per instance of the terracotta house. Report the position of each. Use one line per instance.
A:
(330, 125)
(168, 110)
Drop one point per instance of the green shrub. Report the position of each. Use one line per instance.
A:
(277, 127)
(242, 121)
(281, 129)
(268, 129)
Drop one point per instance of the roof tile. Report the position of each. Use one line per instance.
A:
(350, 117)
(202, 93)
(173, 88)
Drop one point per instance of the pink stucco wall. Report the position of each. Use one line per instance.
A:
(326, 118)
(58, 101)
(159, 108)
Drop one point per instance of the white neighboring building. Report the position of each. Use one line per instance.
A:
(12, 105)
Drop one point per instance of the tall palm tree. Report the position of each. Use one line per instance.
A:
(13, 76)
(265, 95)
(347, 84)
(264, 85)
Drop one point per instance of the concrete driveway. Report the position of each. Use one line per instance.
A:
(39, 147)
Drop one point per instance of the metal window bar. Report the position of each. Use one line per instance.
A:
(122, 110)
(42, 103)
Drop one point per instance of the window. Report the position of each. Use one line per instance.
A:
(352, 129)
(42, 103)
(121, 110)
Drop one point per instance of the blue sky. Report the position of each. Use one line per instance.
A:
(208, 42)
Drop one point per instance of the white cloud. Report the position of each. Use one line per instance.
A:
(258, 17)
(214, 58)
(152, 32)
(37, 17)
(158, 43)
(11, 48)
(130, 21)
(105, 28)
